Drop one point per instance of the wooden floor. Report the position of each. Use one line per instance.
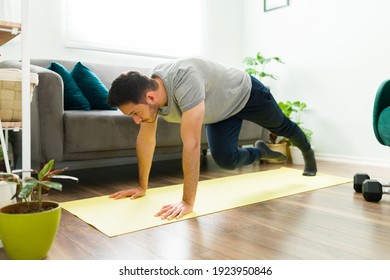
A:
(332, 223)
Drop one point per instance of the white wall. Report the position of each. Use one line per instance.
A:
(47, 36)
(336, 53)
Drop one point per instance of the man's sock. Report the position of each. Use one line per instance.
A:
(310, 163)
(267, 153)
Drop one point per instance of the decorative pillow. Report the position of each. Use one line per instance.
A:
(91, 86)
(73, 96)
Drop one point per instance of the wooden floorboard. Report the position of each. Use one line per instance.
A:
(326, 224)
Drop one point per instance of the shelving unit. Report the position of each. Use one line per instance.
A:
(8, 31)
(26, 114)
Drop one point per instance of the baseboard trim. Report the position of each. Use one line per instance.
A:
(353, 160)
(73, 165)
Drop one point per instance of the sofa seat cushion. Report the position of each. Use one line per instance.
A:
(108, 130)
(100, 130)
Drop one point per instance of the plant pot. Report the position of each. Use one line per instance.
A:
(7, 190)
(282, 148)
(296, 156)
(29, 236)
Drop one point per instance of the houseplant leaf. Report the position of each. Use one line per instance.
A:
(51, 185)
(46, 169)
(28, 186)
(64, 177)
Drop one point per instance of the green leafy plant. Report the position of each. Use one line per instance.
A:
(30, 189)
(257, 65)
(10, 177)
(293, 111)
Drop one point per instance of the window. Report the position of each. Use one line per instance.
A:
(164, 28)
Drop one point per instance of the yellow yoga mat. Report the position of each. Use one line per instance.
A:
(116, 217)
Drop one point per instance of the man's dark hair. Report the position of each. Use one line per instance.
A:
(130, 87)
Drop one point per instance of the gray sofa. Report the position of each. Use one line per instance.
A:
(84, 139)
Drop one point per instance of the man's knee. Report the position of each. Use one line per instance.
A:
(225, 161)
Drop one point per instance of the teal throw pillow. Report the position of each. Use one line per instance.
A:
(91, 86)
(73, 96)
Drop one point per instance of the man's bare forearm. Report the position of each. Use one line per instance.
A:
(145, 151)
(191, 164)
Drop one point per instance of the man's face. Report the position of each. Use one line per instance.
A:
(146, 113)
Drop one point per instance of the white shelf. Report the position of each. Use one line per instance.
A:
(8, 31)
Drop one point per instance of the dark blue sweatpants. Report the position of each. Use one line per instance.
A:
(261, 109)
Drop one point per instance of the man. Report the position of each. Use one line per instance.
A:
(196, 91)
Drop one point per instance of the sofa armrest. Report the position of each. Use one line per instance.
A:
(49, 103)
(47, 110)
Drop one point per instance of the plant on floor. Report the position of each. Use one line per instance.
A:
(257, 65)
(293, 111)
(30, 189)
(29, 227)
(257, 69)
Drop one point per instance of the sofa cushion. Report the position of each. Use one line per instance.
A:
(109, 130)
(98, 130)
(91, 86)
(73, 96)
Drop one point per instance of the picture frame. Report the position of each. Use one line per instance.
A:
(270, 5)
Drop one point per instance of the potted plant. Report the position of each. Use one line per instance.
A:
(256, 68)
(28, 228)
(278, 144)
(293, 111)
(257, 65)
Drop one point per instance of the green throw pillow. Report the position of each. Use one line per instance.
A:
(91, 86)
(73, 96)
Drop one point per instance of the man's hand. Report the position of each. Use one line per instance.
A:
(171, 211)
(133, 193)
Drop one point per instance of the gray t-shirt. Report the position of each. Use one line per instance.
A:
(188, 81)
